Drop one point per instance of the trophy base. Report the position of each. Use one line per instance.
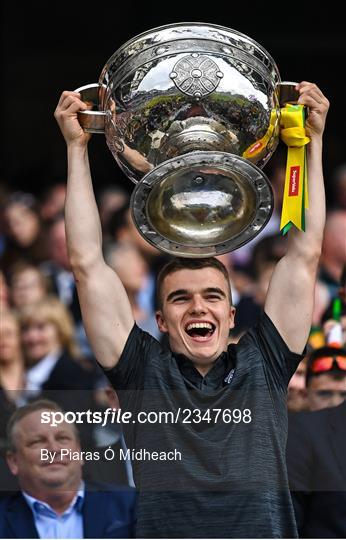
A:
(202, 204)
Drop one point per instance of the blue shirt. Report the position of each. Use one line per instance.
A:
(49, 524)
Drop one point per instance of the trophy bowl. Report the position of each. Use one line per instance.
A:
(191, 114)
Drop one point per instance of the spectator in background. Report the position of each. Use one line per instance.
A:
(58, 268)
(133, 272)
(28, 284)
(54, 367)
(4, 292)
(109, 200)
(322, 300)
(326, 377)
(11, 357)
(25, 238)
(316, 464)
(328, 322)
(11, 366)
(250, 305)
(3, 200)
(333, 258)
(117, 472)
(123, 229)
(58, 271)
(266, 251)
(297, 399)
(53, 501)
(276, 171)
(316, 446)
(12, 381)
(53, 201)
(270, 248)
(339, 187)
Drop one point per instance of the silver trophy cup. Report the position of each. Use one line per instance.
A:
(191, 114)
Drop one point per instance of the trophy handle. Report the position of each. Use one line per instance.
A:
(92, 121)
(287, 93)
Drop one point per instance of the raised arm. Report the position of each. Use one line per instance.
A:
(106, 311)
(290, 297)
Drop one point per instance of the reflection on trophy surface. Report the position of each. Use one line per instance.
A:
(191, 114)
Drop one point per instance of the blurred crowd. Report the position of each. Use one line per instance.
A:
(44, 351)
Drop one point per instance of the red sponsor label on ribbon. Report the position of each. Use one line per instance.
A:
(293, 189)
(255, 147)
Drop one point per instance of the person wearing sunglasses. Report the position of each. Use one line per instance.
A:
(316, 465)
(326, 377)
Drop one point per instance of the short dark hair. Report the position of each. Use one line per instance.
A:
(322, 352)
(118, 220)
(23, 198)
(22, 266)
(181, 263)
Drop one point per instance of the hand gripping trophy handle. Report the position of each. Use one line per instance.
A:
(287, 93)
(93, 120)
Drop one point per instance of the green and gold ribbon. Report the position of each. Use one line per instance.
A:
(259, 146)
(295, 199)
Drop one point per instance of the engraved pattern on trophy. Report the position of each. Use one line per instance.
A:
(194, 117)
(172, 33)
(196, 75)
(120, 67)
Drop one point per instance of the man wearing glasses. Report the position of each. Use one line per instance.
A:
(326, 378)
(316, 449)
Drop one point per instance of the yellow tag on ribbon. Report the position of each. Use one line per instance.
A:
(295, 198)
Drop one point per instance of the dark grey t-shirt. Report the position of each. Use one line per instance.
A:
(227, 432)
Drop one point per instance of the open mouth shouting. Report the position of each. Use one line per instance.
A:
(200, 330)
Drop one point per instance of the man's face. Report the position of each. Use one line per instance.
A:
(326, 391)
(35, 476)
(23, 224)
(297, 399)
(196, 314)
